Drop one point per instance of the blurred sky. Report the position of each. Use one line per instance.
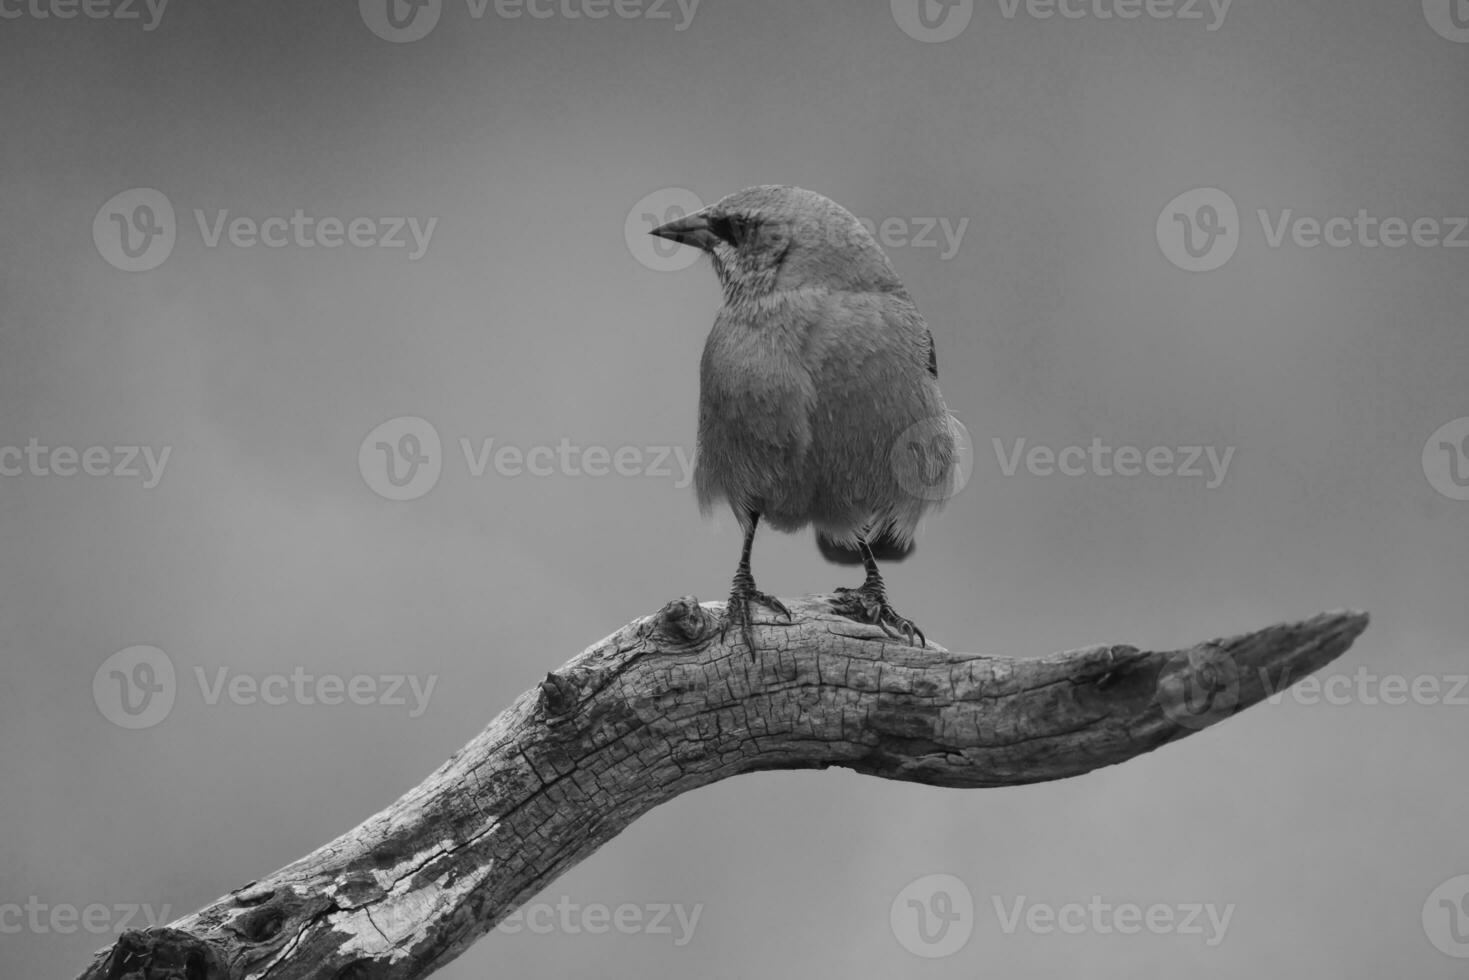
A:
(534, 317)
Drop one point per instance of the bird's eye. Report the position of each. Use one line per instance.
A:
(730, 227)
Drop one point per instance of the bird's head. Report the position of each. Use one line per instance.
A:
(771, 239)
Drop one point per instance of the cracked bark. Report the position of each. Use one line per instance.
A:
(661, 707)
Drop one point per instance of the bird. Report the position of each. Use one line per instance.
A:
(819, 401)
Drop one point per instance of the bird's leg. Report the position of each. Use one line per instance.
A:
(868, 603)
(743, 592)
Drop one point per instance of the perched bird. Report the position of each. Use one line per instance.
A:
(818, 398)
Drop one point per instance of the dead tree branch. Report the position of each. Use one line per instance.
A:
(661, 707)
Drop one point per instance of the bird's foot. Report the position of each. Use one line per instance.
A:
(737, 612)
(869, 604)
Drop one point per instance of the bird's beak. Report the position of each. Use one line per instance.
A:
(691, 229)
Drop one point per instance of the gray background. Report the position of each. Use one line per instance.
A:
(530, 320)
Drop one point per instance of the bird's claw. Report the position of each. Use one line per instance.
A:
(737, 611)
(871, 606)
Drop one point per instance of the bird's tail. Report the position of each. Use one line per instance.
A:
(885, 547)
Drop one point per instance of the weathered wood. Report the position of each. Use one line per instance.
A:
(663, 706)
